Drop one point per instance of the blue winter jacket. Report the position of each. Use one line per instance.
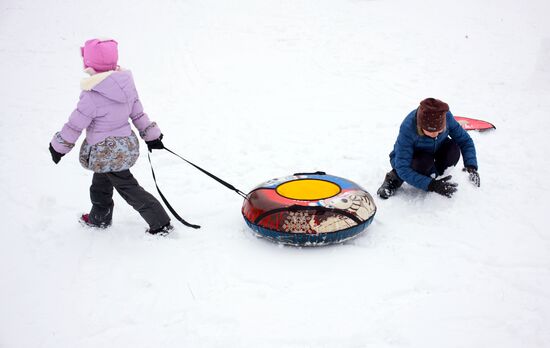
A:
(411, 139)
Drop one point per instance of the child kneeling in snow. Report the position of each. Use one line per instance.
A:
(430, 140)
(108, 99)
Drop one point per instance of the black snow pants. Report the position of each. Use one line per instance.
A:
(101, 194)
(446, 156)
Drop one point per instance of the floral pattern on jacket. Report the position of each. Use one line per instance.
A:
(114, 154)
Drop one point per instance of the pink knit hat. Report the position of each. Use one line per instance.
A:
(101, 55)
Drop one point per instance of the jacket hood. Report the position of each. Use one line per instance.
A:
(110, 84)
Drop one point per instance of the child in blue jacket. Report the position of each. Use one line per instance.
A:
(430, 140)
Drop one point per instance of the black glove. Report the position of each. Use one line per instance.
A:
(155, 144)
(56, 156)
(443, 186)
(473, 175)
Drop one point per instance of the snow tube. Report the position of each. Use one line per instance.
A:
(308, 209)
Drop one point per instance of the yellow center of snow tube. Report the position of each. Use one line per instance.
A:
(308, 189)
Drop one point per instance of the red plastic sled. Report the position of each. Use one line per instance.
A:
(473, 124)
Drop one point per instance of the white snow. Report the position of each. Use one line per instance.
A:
(253, 90)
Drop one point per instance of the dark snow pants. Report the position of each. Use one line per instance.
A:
(446, 156)
(101, 194)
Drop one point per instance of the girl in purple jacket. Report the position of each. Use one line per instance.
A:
(107, 101)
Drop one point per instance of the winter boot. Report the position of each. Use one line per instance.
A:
(161, 231)
(85, 220)
(391, 183)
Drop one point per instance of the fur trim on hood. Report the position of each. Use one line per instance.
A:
(88, 83)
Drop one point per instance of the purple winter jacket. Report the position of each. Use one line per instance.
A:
(106, 103)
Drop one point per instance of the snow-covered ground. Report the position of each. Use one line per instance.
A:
(253, 90)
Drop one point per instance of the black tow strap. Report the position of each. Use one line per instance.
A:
(180, 219)
(224, 183)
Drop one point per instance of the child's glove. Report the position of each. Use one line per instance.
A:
(443, 186)
(473, 175)
(56, 156)
(155, 144)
